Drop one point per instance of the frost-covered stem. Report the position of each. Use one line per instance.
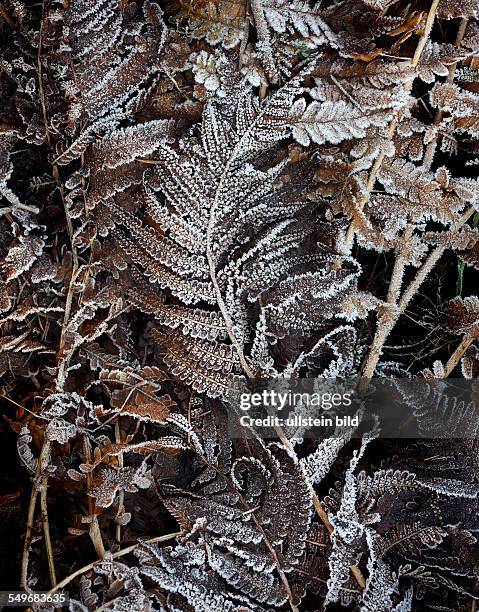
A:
(386, 321)
(43, 460)
(387, 316)
(431, 147)
(31, 209)
(399, 267)
(391, 129)
(95, 533)
(262, 31)
(458, 353)
(46, 530)
(115, 555)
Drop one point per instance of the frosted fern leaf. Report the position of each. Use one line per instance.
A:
(207, 201)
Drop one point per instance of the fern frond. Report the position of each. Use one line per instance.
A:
(98, 36)
(231, 232)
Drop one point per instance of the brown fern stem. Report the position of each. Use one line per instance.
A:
(43, 461)
(458, 354)
(95, 533)
(46, 530)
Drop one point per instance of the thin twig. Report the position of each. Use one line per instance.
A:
(4, 396)
(115, 555)
(95, 533)
(43, 460)
(455, 358)
(46, 530)
(121, 495)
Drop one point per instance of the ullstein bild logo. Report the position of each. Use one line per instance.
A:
(284, 402)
